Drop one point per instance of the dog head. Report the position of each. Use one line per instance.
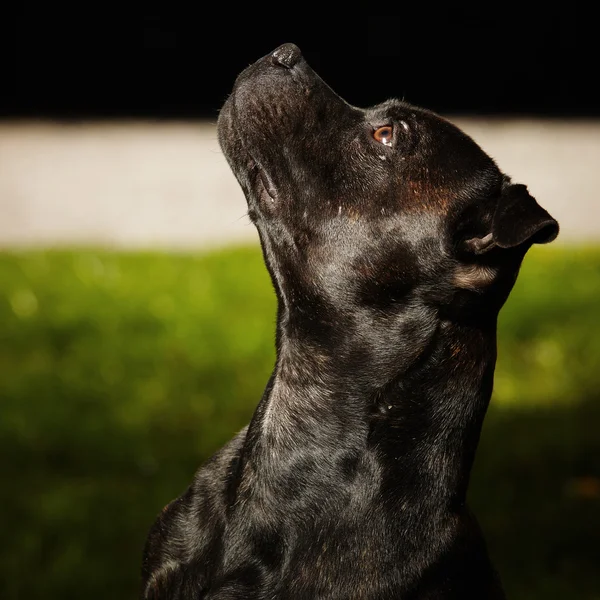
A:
(375, 209)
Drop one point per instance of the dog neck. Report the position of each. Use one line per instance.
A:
(430, 418)
(418, 425)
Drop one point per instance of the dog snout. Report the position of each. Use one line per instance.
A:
(286, 56)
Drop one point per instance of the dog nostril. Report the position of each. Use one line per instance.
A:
(286, 56)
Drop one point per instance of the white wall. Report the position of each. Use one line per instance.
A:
(168, 185)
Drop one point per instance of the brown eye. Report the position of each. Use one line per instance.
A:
(384, 135)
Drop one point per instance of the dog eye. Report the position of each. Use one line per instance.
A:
(384, 135)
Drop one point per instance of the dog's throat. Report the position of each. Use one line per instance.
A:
(424, 428)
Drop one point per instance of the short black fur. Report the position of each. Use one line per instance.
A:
(390, 258)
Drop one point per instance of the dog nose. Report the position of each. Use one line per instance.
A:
(286, 56)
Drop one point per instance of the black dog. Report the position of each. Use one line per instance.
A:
(393, 241)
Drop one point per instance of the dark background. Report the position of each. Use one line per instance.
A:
(95, 61)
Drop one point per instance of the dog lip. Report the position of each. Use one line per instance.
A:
(247, 166)
(267, 184)
(261, 181)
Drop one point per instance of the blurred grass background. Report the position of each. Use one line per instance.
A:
(120, 372)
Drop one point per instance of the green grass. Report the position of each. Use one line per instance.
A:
(120, 373)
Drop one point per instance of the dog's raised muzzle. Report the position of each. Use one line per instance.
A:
(286, 56)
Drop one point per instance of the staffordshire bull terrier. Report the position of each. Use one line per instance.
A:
(392, 241)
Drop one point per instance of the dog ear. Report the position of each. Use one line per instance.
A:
(518, 218)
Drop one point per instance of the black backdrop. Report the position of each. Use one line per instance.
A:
(175, 62)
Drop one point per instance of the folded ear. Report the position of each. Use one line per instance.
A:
(518, 218)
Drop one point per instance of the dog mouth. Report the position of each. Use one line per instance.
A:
(260, 115)
(266, 115)
(245, 159)
(261, 182)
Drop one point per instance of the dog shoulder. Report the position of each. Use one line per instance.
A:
(187, 533)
